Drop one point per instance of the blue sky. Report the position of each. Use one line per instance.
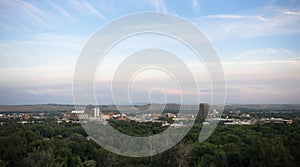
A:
(257, 42)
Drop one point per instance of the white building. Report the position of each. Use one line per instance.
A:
(96, 111)
(77, 112)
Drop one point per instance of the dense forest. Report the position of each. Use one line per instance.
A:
(66, 144)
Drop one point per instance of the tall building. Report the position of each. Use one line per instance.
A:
(96, 112)
(92, 110)
(89, 109)
(203, 110)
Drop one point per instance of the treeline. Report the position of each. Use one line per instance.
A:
(50, 144)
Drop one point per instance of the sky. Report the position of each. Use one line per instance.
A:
(257, 42)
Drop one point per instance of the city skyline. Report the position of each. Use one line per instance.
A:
(256, 41)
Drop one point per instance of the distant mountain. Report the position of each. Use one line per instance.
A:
(36, 108)
(259, 107)
(63, 107)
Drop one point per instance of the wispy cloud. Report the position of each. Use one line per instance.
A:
(30, 13)
(196, 6)
(44, 50)
(35, 76)
(23, 15)
(84, 8)
(35, 16)
(266, 53)
(93, 10)
(268, 21)
(40, 42)
(57, 90)
(7, 27)
(263, 62)
(225, 16)
(4, 45)
(45, 39)
(292, 13)
(28, 69)
(60, 10)
(159, 5)
(59, 40)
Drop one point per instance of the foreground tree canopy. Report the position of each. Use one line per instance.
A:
(67, 144)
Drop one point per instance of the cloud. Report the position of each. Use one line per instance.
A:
(225, 16)
(57, 90)
(262, 67)
(56, 93)
(60, 10)
(266, 54)
(4, 45)
(28, 12)
(22, 16)
(244, 94)
(159, 5)
(29, 69)
(59, 40)
(84, 7)
(266, 21)
(272, 82)
(44, 50)
(292, 13)
(196, 6)
(8, 28)
(263, 81)
(35, 75)
(93, 10)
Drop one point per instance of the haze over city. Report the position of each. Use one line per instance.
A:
(256, 41)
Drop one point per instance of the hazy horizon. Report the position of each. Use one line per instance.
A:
(140, 104)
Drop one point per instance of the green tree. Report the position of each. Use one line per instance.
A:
(41, 158)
